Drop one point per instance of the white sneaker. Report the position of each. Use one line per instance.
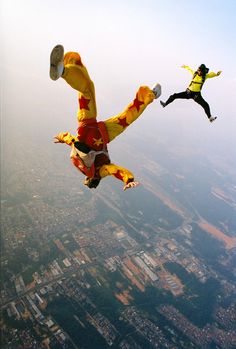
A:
(212, 118)
(156, 90)
(56, 62)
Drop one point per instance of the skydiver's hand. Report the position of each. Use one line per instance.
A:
(219, 72)
(183, 66)
(58, 138)
(130, 185)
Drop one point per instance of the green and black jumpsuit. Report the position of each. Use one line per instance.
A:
(194, 90)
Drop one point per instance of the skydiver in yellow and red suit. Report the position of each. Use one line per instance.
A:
(89, 151)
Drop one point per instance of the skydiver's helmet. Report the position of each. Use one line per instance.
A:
(203, 69)
(92, 182)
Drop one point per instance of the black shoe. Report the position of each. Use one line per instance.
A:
(163, 104)
(92, 182)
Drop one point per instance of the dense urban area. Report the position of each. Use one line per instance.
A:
(106, 269)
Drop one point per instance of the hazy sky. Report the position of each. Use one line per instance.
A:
(124, 44)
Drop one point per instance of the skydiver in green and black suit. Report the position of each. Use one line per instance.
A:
(194, 89)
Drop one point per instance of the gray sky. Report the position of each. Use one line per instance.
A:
(124, 44)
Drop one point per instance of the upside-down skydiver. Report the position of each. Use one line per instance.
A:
(89, 151)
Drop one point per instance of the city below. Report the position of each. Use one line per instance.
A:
(152, 267)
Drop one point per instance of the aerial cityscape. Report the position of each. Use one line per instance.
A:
(147, 262)
(152, 267)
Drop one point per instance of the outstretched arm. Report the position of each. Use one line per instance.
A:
(120, 173)
(187, 68)
(212, 74)
(65, 137)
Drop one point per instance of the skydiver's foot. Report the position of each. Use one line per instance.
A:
(212, 118)
(56, 62)
(92, 182)
(130, 185)
(163, 104)
(156, 90)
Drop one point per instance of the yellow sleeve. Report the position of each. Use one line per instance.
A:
(188, 68)
(211, 75)
(66, 137)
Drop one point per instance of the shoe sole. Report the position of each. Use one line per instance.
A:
(213, 119)
(56, 57)
(157, 90)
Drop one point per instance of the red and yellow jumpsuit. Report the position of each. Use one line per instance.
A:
(95, 134)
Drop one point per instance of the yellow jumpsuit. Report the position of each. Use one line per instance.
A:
(76, 75)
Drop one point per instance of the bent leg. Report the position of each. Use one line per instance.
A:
(117, 124)
(180, 95)
(76, 75)
(118, 172)
(203, 104)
